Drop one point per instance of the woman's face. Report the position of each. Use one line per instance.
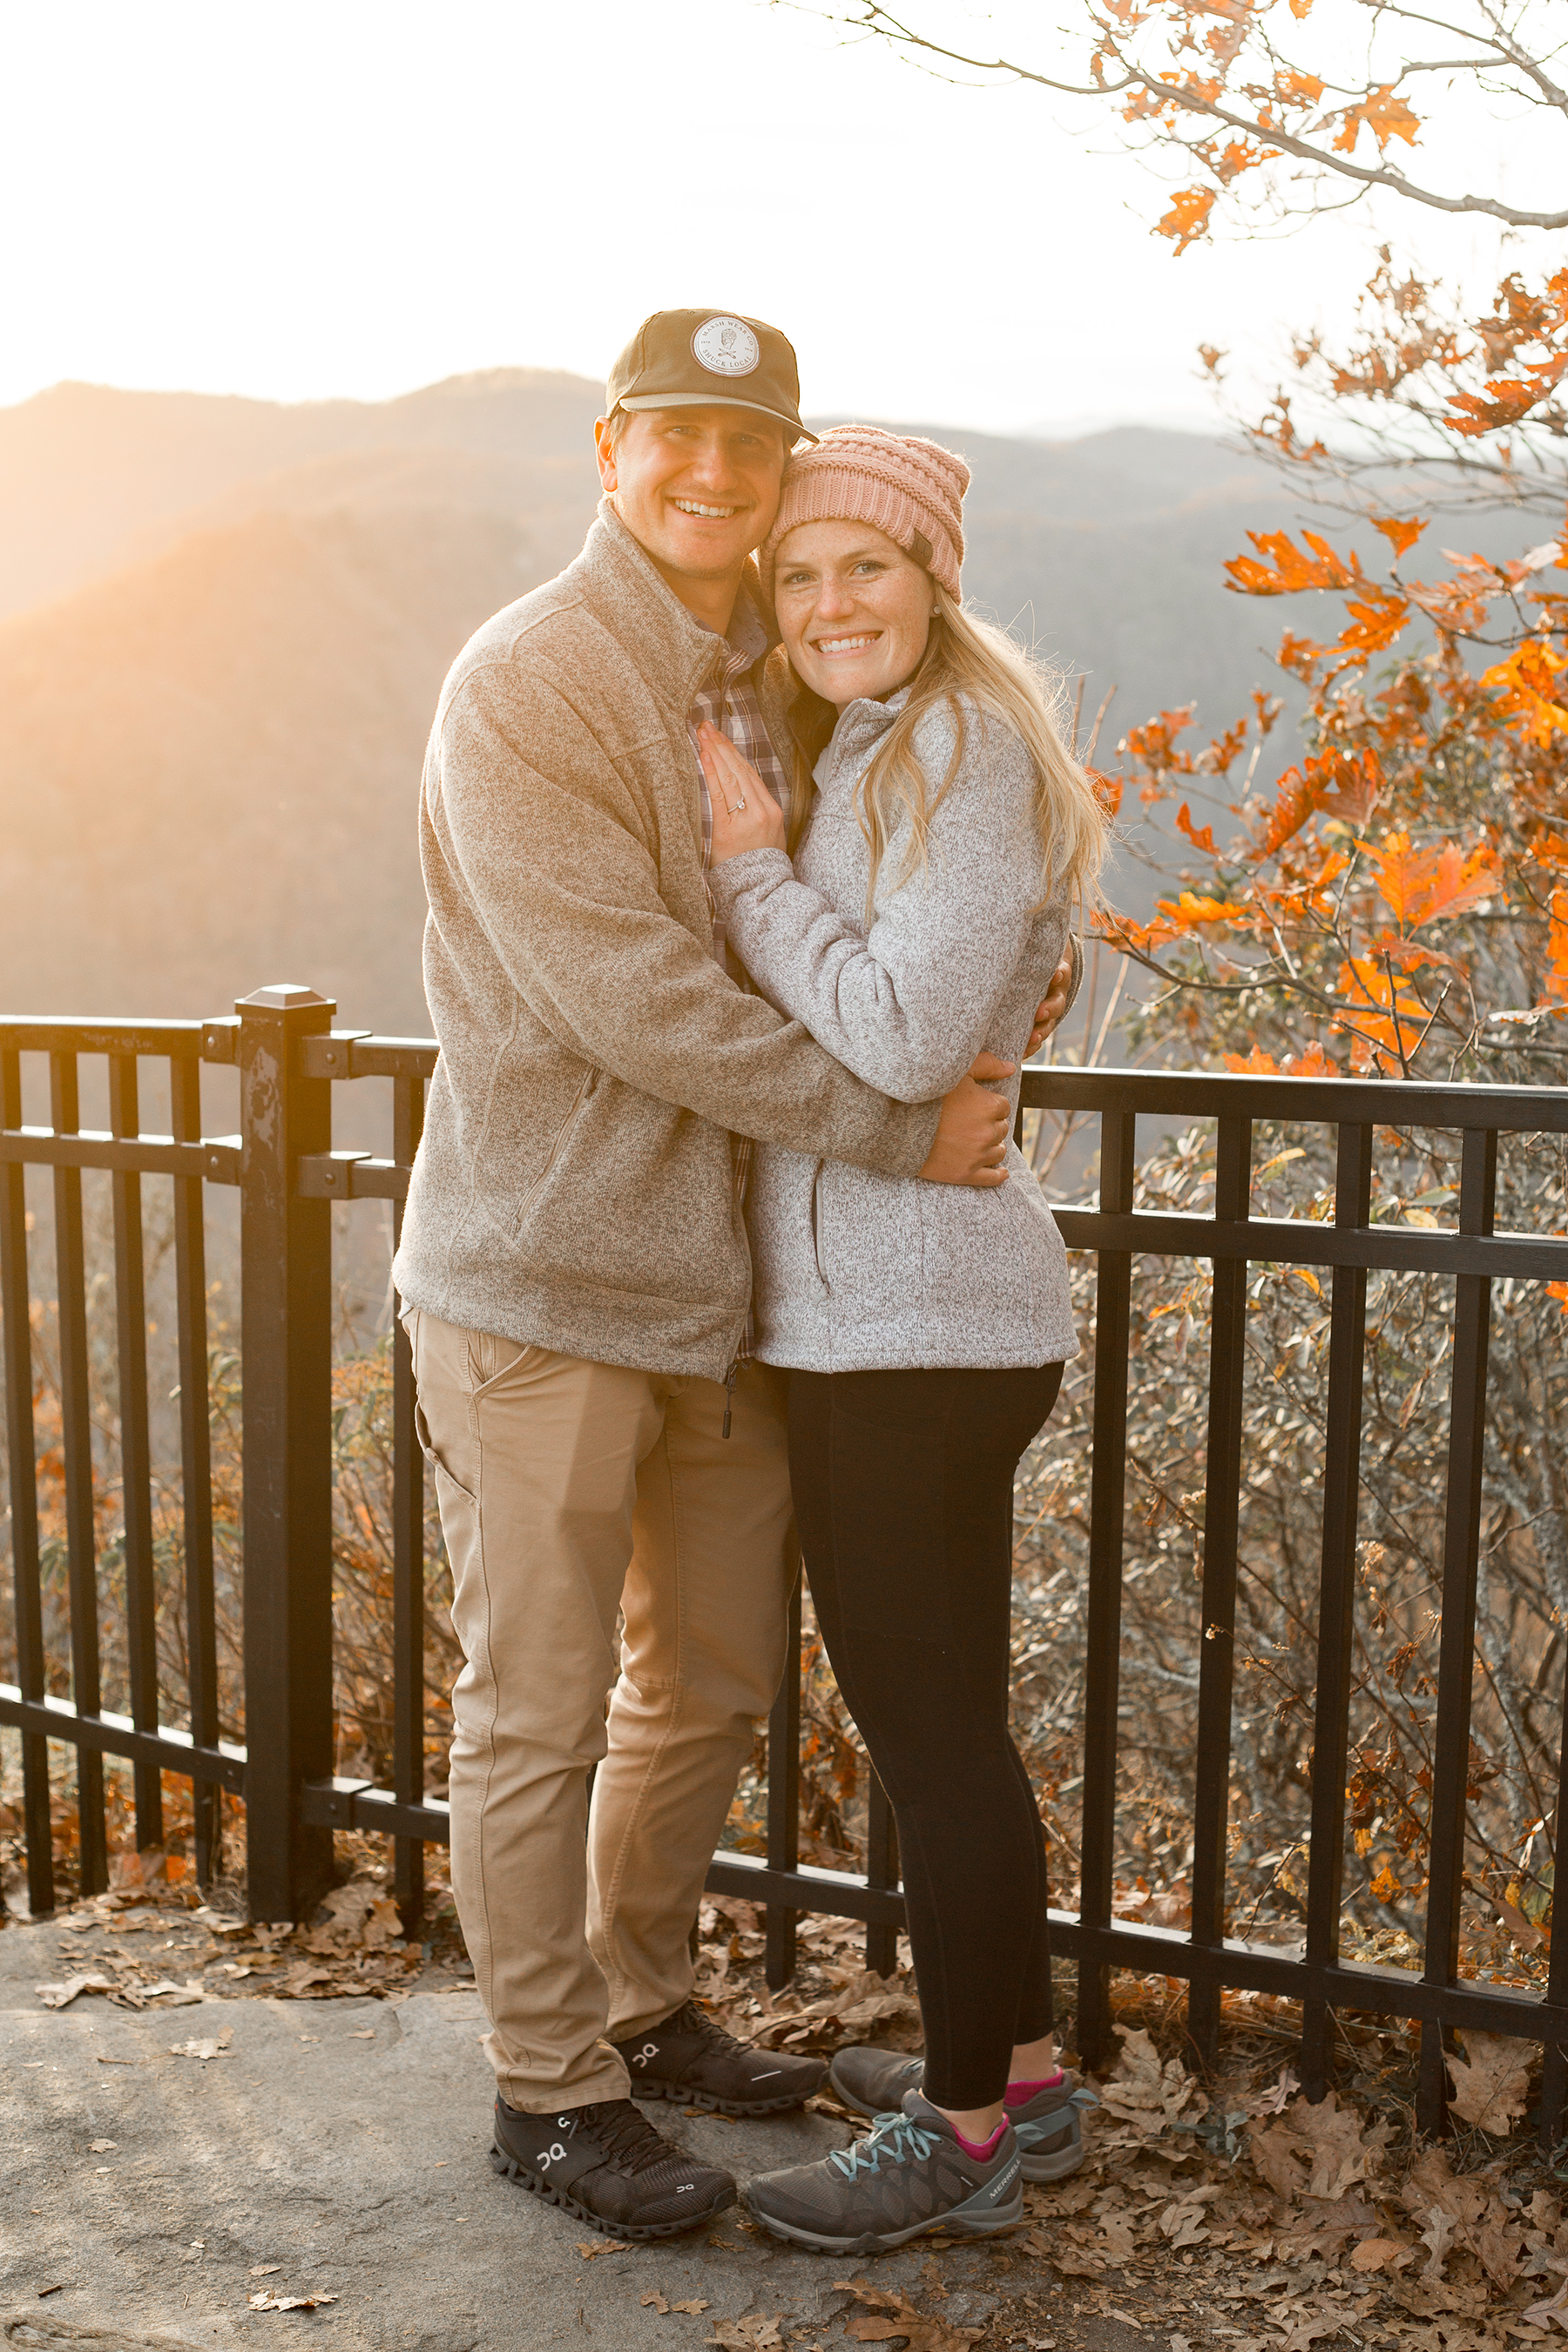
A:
(854, 609)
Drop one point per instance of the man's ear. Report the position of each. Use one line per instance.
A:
(604, 453)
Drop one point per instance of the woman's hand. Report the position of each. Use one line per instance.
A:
(745, 814)
(1052, 1008)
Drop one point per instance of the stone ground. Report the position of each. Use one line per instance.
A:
(339, 2147)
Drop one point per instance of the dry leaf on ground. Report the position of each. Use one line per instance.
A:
(1491, 2081)
(215, 2046)
(1317, 2150)
(268, 2302)
(1379, 2254)
(101, 2146)
(61, 1995)
(899, 2317)
(589, 2247)
(1142, 2090)
(756, 2333)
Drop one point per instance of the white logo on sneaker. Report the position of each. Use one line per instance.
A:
(553, 2155)
(649, 2050)
(684, 2187)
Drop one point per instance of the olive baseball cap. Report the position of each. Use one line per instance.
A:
(691, 359)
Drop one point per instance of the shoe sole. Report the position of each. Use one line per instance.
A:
(740, 2108)
(882, 2241)
(513, 2169)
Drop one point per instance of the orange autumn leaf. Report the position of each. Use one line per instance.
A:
(1297, 84)
(1384, 1008)
(1313, 1063)
(1385, 115)
(1399, 535)
(1526, 686)
(1419, 885)
(1375, 621)
(1333, 783)
(1286, 572)
(1257, 1064)
(1204, 840)
(1194, 910)
(1187, 219)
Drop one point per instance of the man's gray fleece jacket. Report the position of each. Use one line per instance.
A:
(856, 1268)
(574, 1187)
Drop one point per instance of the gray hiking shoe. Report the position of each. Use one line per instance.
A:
(1049, 2129)
(909, 2177)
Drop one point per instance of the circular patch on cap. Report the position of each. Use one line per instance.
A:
(726, 347)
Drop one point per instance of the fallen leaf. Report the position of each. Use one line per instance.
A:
(588, 2248)
(217, 2046)
(266, 2301)
(901, 2319)
(367, 2035)
(264, 2269)
(693, 2307)
(1555, 2309)
(61, 1995)
(101, 2146)
(752, 2334)
(175, 1996)
(1125, 2317)
(1142, 2090)
(1491, 2081)
(658, 2301)
(1437, 2233)
(1377, 2254)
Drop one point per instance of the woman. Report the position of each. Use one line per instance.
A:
(925, 1326)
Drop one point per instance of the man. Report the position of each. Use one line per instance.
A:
(574, 1266)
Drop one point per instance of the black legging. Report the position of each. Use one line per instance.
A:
(903, 1492)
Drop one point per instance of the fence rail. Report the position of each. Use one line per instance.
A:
(288, 1059)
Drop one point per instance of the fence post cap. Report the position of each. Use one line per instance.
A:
(284, 996)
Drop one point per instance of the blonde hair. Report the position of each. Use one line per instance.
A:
(971, 658)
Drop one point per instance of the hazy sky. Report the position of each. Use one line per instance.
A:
(331, 196)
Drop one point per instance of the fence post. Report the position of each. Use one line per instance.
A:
(286, 1267)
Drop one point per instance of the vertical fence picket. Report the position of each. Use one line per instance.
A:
(196, 1459)
(135, 1449)
(1554, 2070)
(21, 1455)
(285, 1270)
(1336, 1604)
(1456, 1652)
(784, 1801)
(1102, 1642)
(76, 1414)
(407, 1552)
(1216, 1662)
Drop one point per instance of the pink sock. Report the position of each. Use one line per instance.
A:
(1019, 2095)
(985, 2149)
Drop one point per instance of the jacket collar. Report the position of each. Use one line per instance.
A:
(674, 652)
(861, 726)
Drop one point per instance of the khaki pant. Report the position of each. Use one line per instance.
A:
(569, 1491)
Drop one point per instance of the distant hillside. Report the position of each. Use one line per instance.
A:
(230, 621)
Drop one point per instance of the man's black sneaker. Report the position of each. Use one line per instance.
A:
(692, 2058)
(605, 2165)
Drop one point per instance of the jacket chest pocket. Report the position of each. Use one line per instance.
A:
(580, 1101)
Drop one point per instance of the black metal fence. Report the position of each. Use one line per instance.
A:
(288, 1059)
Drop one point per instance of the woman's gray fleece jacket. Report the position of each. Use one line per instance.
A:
(854, 1270)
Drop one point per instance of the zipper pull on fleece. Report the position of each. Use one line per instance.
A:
(728, 1394)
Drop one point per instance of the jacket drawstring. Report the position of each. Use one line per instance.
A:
(728, 1394)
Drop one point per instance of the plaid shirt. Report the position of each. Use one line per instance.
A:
(728, 702)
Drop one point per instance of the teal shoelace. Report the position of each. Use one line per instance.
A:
(896, 2136)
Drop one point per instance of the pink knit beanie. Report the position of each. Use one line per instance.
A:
(909, 488)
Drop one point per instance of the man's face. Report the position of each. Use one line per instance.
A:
(698, 487)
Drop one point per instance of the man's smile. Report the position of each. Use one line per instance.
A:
(711, 513)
